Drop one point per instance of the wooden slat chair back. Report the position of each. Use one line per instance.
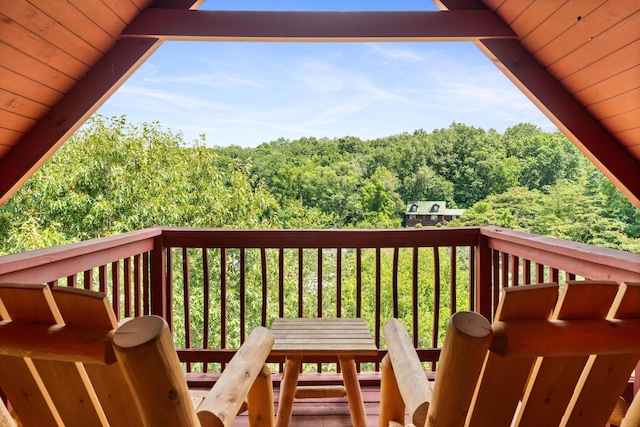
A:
(550, 358)
(65, 362)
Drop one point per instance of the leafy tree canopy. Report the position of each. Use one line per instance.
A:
(113, 177)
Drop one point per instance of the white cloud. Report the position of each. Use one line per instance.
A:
(148, 99)
(394, 53)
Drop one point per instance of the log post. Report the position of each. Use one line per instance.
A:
(222, 403)
(159, 302)
(391, 403)
(260, 400)
(410, 376)
(484, 281)
(619, 412)
(463, 354)
(144, 347)
(6, 420)
(632, 417)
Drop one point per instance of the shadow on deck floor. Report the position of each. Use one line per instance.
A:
(327, 412)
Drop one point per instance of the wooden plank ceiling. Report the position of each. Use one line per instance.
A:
(577, 60)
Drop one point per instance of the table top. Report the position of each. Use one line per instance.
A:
(322, 336)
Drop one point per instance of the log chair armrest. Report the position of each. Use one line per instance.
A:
(224, 400)
(410, 378)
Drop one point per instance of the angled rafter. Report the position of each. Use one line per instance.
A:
(70, 113)
(35, 148)
(586, 133)
(208, 25)
(600, 146)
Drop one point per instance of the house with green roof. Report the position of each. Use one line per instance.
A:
(430, 213)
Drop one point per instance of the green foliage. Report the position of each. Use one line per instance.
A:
(112, 177)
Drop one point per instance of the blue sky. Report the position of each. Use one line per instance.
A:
(249, 93)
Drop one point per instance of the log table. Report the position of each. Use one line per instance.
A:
(341, 337)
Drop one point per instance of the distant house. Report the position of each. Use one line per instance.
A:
(429, 213)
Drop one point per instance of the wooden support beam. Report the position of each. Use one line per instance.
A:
(586, 133)
(71, 112)
(36, 147)
(208, 25)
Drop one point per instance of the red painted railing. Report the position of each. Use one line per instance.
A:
(213, 286)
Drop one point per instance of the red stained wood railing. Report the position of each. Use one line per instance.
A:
(228, 281)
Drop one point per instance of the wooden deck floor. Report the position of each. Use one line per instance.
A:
(327, 412)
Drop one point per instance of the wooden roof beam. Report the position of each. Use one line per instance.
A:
(586, 133)
(37, 146)
(207, 25)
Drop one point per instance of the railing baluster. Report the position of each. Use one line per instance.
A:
(394, 281)
(319, 282)
(319, 290)
(206, 283)
(243, 291)
(338, 282)
(453, 266)
(515, 270)
(539, 273)
(472, 278)
(146, 283)
(127, 286)
(555, 275)
(527, 272)
(223, 297)
(414, 299)
(495, 254)
(505, 270)
(102, 278)
(378, 292)
(436, 299)
(263, 258)
(358, 282)
(88, 279)
(281, 282)
(72, 281)
(136, 285)
(300, 282)
(115, 288)
(186, 305)
(169, 288)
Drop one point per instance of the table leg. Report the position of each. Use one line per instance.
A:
(354, 394)
(288, 390)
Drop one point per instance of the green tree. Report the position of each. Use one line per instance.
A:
(425, 184)
(381, 204)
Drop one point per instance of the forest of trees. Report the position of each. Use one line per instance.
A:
(113, 177)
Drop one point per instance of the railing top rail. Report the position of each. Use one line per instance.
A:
(75, 256)
(589, 261)
(351, 238)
